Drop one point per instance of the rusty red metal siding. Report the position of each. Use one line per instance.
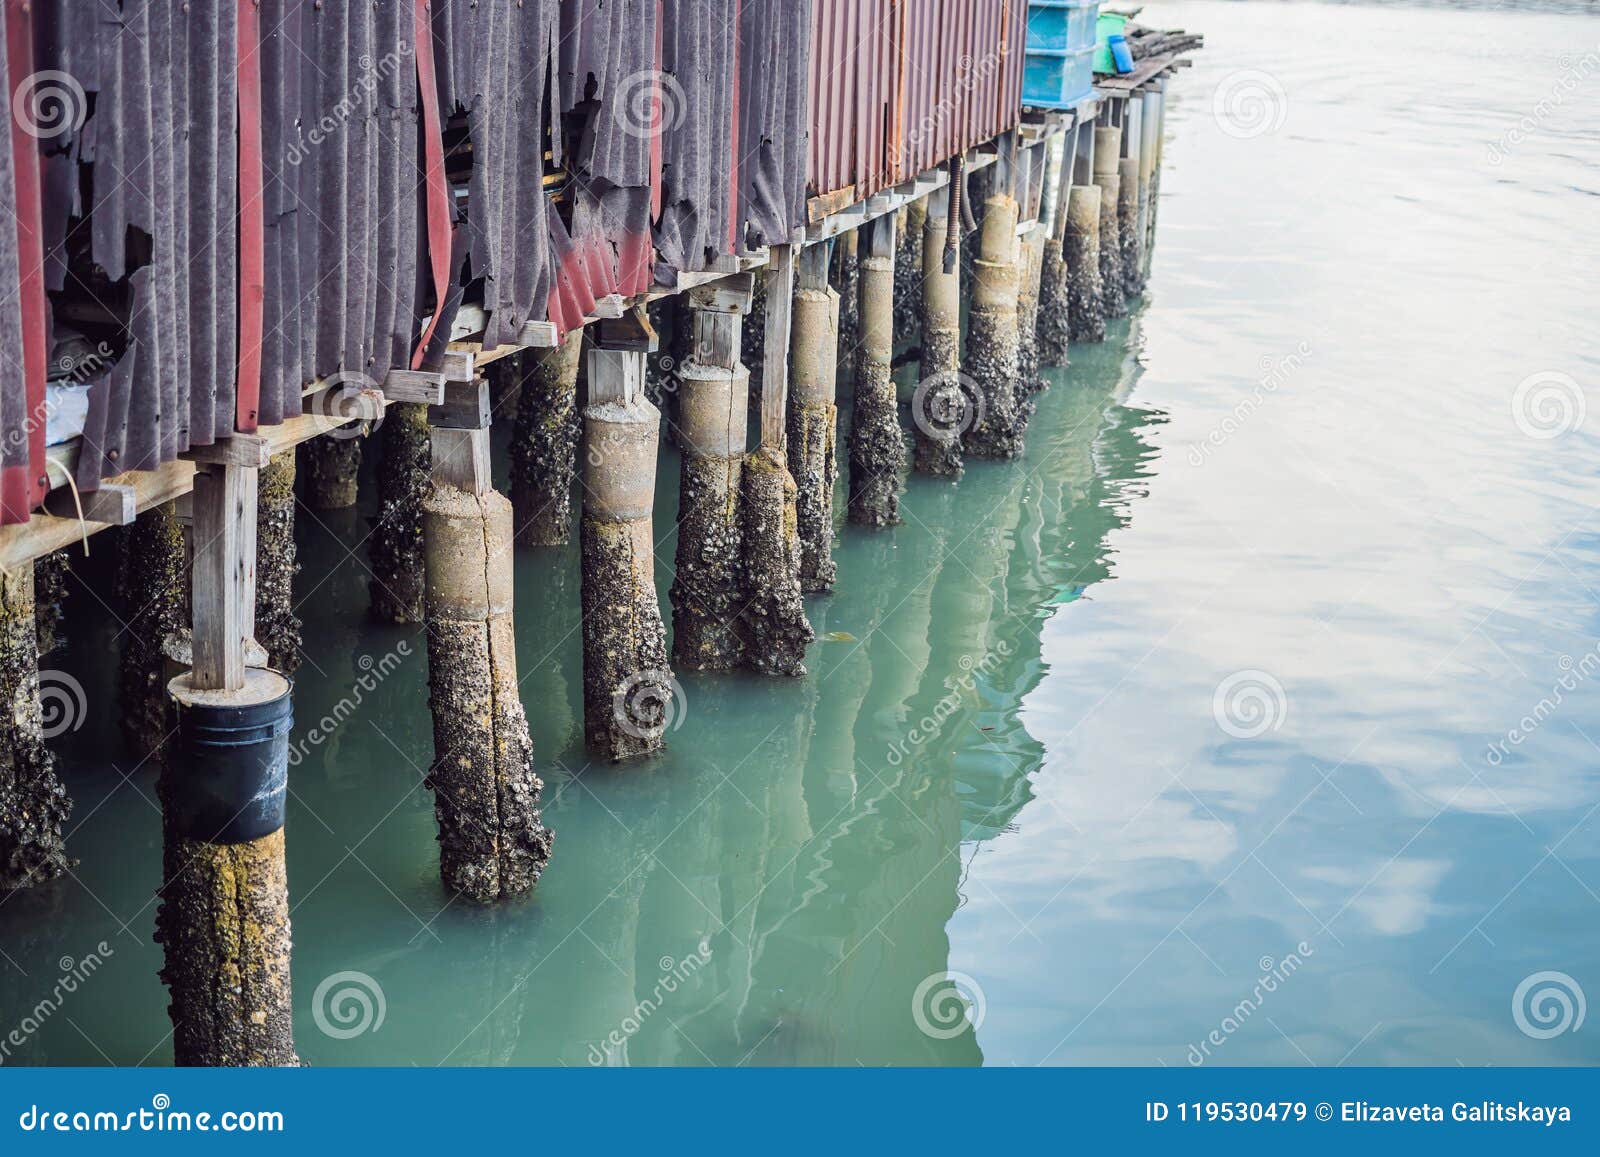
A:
(898, 86)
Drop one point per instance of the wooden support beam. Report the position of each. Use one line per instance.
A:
(113, 504)
(465, 406)
(775, 366)
(615, 375)
(539, 335)
(250, 450)
(421, 387)
(224, 590)
(461, 459)
(729, 295)
(877, 237)
(811, 268)
(632, 331)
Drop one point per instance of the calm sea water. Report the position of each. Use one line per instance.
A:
(1249, 719)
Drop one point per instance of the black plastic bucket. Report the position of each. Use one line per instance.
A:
(232, 777)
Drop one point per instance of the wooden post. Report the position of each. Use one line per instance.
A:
(224, 575)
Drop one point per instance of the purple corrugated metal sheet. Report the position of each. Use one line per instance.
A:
(140, 224)
(898, 86)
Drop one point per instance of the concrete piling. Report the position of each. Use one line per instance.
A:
(332, 465)
(33, 802)
(544, 446)
(1085, 296)
(1030, 382)
(1107, 142)
(813, 429)
(1054, 326)
(847, 280)
(153, 603)
(942, 407)
(1128, 224)
(708, 586)
(492, 844)
(628, 688)
(398, 586)
(50, 599)
(773, 618)
(277, 626)
(993, 334)
(544, 442)
(877, 451)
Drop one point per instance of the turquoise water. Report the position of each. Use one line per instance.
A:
(1179, 729)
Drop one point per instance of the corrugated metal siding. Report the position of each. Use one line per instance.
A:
(141, 197)
(898, 86)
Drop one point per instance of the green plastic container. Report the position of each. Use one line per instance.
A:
(1109, 24)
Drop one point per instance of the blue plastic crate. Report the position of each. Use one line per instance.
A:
(1061, 25)
(1058, 80)
(1059, 70)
